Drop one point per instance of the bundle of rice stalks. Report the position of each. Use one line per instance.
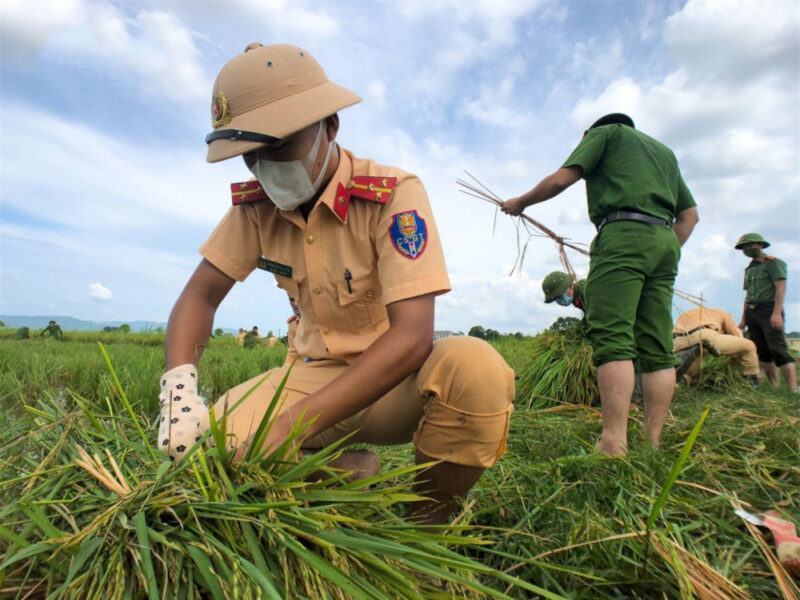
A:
(90, 509)
(695, 577)
(720, 374)
(560, 370)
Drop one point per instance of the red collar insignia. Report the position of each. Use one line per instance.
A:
(372, 189)
(247, 192)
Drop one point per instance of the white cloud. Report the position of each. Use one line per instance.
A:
(376, 90)
(479, 32)
(153, 46)
(731, 118)
(109, 184)
(100, 292)
(738, 41)
(291, 17)
(25, 27)
(498, 102)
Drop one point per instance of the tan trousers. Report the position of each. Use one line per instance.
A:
(741, 349)
(456, 408)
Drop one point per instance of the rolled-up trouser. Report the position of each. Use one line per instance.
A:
(741, 349)
(456, 408)
(629, 294)
(770, 343)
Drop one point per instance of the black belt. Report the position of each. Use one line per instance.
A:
(626, 215)
(756, 305)
(690, 332)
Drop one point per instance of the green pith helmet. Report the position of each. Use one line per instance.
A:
(749, 238)
(555, 284)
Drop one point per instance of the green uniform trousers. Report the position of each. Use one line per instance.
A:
(629, 294)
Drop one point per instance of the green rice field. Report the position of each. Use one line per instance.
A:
(552, 519)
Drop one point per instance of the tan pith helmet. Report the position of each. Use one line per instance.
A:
(267, 93)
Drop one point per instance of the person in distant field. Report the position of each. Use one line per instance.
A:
(644, 213)
(762, 314)
(53, 330)
(252, 338)
(717, 331)
(240, 336)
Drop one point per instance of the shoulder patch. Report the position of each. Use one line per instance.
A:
(409, 234)
(246, 192)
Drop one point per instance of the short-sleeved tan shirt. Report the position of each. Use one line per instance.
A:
(710, 318)
(342, 267)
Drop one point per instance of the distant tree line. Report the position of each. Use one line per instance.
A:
(491, 335)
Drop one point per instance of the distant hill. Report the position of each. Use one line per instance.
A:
(73, 324)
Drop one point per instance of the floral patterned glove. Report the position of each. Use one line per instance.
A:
(184, 414)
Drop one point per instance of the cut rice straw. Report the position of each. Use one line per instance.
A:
(695, 577)
(482, 192)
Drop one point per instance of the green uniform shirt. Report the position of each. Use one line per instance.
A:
(578, 295)
(625, 169)
(760, 278)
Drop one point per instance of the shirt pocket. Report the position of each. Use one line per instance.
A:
(361, 304)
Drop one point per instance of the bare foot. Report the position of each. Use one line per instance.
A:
(611, 447)
(360, 463)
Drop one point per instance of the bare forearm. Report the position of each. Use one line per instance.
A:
(685, 224)
(780, 294)
(547, 188)
(387, 362)
(189, 326)
(192, 316)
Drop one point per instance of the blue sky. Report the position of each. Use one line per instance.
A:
(104, 106)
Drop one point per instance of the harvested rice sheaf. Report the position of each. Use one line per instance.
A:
(560, 370)
(89, 509)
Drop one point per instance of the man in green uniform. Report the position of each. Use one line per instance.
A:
(53, 330)
(561, 288)
(765, 284)
(643, 212)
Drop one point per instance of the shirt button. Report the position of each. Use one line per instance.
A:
(310, 240)
(317, 290)
(370, 295)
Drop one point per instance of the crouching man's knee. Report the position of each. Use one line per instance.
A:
(470, 390)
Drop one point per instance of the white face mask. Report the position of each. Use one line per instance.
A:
(288, 184)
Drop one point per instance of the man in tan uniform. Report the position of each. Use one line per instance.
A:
(354, 245)
(715, 328)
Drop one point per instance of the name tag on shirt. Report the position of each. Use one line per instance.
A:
(274, 267)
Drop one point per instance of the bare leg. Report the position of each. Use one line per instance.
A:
(615, 383)
(790, 375)
(659, 387)
(771, 371)
(445, 484)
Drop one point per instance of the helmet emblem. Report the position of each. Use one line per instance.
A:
(219, 111)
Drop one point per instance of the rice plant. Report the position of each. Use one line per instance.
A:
(90, 509)
(559, 371)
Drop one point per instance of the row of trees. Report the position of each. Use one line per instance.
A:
(491, 335)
